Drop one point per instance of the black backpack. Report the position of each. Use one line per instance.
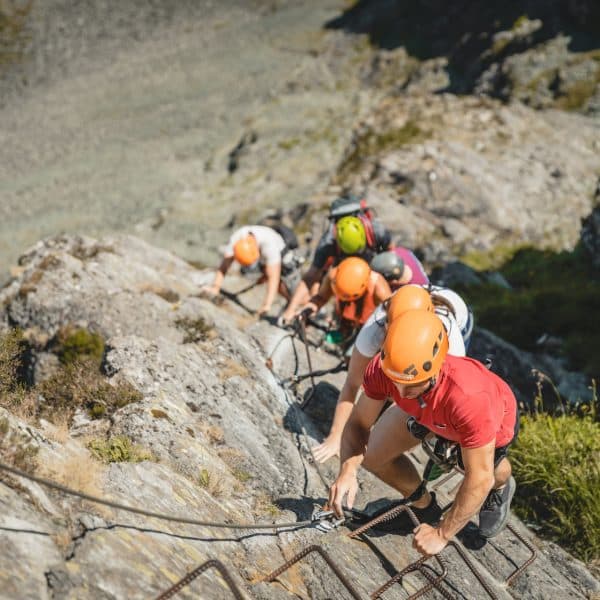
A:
(289, 237)
(356, 207)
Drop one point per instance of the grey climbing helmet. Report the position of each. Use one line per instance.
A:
(345, 206)
(389, 264)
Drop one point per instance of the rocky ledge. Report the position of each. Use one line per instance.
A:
(216, 439)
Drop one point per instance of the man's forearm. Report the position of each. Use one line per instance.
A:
(299, 297)
(343, 410)
(352, 450)
(471, 495)
(273, 277)
(218, 280)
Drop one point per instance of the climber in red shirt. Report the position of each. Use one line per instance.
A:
(454, 397)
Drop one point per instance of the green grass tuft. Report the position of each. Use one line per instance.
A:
(556, 463)
(79, 344)
(119, 448)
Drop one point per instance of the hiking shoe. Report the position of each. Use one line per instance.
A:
(402, 523)
(495, 511)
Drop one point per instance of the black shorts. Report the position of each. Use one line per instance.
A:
(499, 453)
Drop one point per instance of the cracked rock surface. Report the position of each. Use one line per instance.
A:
(228, 446)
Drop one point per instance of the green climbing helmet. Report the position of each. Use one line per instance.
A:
(351, 236)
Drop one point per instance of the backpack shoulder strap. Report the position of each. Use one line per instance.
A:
(369, 231)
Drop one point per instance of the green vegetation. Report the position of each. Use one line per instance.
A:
(370, 143)
(204, 478)
(575, 96)
(166, 294)
(16, 448)
(83, 385)
(79, 345)
(195, 330)
(289, 143)
(556, 463)
(241, 475)
(11, 349)
(491, 259)
(13, 36)
(211, 482)
(159, 414)
(553, 293)
(78, 383)
(520, 20)
(119, 448)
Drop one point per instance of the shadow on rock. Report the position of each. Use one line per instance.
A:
(470, 34)
(302, 507)
(318, 404)
(471, 538)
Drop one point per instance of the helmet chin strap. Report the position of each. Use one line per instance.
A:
(420, 398)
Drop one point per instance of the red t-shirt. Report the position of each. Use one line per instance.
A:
(469, 404)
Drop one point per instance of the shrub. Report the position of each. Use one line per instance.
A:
(11, 350)
(79, 345)
(195, 330)
(81, 385)
(554, 293)
(556, 463)
(119, 448)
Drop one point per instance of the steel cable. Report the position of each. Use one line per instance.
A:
(148, 513)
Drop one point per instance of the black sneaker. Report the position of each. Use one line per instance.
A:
(495, 511)
(402, 523)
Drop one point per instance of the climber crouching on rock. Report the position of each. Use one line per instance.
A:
(259, 248)
(454, 397)
(447, 305)
(357, 289)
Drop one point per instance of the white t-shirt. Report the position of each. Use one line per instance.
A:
(270, 243)
(371, 336)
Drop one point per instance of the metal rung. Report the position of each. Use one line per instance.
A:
(214, 564)
(314, 548)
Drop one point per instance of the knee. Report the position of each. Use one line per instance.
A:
(375, 464)
(371, 464)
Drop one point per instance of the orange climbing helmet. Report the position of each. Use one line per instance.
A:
(350, 279)
(246, 250)
(415, 347)
(408, 297)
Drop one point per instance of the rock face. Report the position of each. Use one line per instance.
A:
(165, 120)
(590, 235)
(544, 53)
(175, 160)
(455, 175)
(229, 445)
